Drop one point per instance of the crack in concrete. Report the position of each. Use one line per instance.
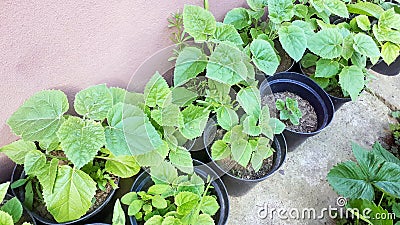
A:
(382, 99)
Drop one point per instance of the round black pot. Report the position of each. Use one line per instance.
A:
(238, 186)
(25, 213)
(388, 70)
(307, 89)
(19, 173)
(144, 181)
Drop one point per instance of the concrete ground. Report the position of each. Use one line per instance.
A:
(301, 183)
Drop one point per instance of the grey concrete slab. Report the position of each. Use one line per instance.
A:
(387, 88)
(302, 183)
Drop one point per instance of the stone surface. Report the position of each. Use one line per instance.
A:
(387, 88)
(302, 183)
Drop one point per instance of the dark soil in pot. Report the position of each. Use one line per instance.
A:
(26, 216)
(309, 120)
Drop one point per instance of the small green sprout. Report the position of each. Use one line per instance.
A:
(289, 110)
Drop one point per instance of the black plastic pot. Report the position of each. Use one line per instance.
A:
(307, 89)
(19, 173)
(25, 213)
(238, 186)
(144, 181)
(388, 70)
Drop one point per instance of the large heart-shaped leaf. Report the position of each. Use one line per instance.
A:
(190, 62)
(390, 52)
(226, 64)
(351, 79)
(264, 56)
(72, 194)
(365, 45)
(40, 116)
(238, 17)
(390, 19)
(130, 132)
(337, 7)
(81, 140)
(326, 43)
(280, 10)
(198, 22)
(17, 150)
(94, 102)
(227, 32)
(293, 40)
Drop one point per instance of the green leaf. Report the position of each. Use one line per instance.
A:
(40, 116)
(376, 214)
(165, 190)
(363, 22)
(118, 95)
(118, 214)
(389, 19)
(351, 79)
(17, 150)
(387, 179)
(326, 43)
(280, 104)
(390, 52)
(47, 176)
(257, 4)
(34, 162)
(322, 82)
(263, 151)
(195, 119)
(365, 45)
(152, 158)
(227, 117)
(307, 27)
(130, 132)
(3, 190)
(227, 32)
(348, 180)
(241, 151)
(129, 197)
(5, 219)
(365, 8)
(280, 10)
(186, 202)
(293, 41)
(358, 60)
(220, 150)
(28, 202)
(14, 208)
(72, 194)
(159, 202)
(250, 100)
(81, 140)
(181, 159)
(122, 166)
(308, 60)
(94, 102)
(198, 22)
(318, 5)
(154, 220)
(238, 17)
(326, 68)
(204, 219)
(170, 220)
(182, 97)
(300, 10)
(168, 116)
(190, 62)
(264, 56)
(135, 207)
(226, 65)
(157, 92)
(276, 125)
(348, 49)
(163, 173)
(209, 205)
(250, 126)
(337, 7)
(384, 154)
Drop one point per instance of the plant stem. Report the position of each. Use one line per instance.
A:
(380, 201)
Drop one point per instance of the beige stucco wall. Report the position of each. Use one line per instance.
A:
(70, 45)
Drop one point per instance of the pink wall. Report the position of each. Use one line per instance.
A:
(70, 45)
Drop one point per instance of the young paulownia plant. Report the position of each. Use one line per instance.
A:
(60, 151)
(173, 199)
(372, 182)
(289, 110)
(11, 211)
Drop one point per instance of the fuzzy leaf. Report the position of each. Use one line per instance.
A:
(5, 219)
(118, 214)
(182, 96)
(326, 43)
(159, 202)
(390, 52)
(220, 150)
(227, 32)
(250, 100)
(293, 40)
(204, 219)
(241, 151)
(190, 62)
(181, 159)
(351, 79)
(40, 116)
(326, 68)
(337, 7)
(34, 162)
(264, 56)
(363, 22)
(122, 166)
(81, 140)
(348, 49)
(238, 17)
(17, 150)
(157, 92)
(94, 102)
(276, 125)
(209, 205)
(195, 119)
(198, 22)
(390, 19)
(365, 45)
(227, 117)
(186, 202)
(72, 194)
(280, 10)
(257, 4)
(163, 173)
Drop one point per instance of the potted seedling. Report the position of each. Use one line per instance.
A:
(370, 184)
(164, 196)
(11, 209)
(71, 164)
(302, 104)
